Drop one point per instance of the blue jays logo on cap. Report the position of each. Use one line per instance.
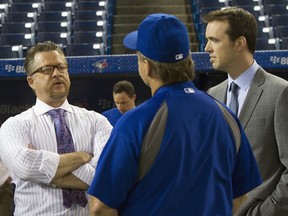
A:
(160, 37)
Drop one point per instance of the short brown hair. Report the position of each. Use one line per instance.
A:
(124, 86)
(39, 47)
(241, 23)
(170, 73)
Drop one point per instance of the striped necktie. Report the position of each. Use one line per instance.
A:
(234, 105)
(65, 145)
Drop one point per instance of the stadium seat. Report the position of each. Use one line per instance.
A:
(59, 6)
(279, 19)
(11, 51)
(84, 49)
(265, 2)
(262, 44)
(5, 1)
(17, 39)
(262, 34)
(26, 1)
(21, 17)
(90, 5)
(18, 27)
(53, 26)
(255, 10)
(211, 3)
(59, 38)
(244, 2)
(62, 16)
(87, 37)
(276, 9)
(4, 8)
(26, 7)
(89, 25)
(281, 31)
(88, 15)
(284, 43)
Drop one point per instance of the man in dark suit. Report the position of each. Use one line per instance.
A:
(261, 105)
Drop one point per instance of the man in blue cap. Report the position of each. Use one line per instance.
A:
(199, 166)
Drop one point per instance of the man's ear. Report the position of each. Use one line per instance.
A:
(241, 43)
(30, 81)
(148, 69)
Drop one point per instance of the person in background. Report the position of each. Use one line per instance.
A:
(197, 170)
(124, 98)
(52, 148)
(262, 102)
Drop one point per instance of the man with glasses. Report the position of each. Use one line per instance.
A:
(52, 148)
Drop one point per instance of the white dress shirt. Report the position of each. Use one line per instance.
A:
(33, 169)
(243, 81)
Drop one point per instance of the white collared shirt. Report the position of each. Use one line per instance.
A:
(243, 81)
(32, 170)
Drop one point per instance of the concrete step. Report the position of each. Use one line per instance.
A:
(118, 38)
(136, 19)
(126, 28)
(118, 49)
(136, 10)
(150, 2)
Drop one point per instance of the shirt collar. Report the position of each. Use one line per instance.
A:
(41, 108)
(245, 79)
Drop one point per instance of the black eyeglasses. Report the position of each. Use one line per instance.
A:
(49, 69)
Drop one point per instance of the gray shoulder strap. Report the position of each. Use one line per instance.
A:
(152, 141)
(232, 124)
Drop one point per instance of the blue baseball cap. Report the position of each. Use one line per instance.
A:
(160, 37)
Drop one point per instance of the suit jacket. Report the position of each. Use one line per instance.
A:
(264, 117)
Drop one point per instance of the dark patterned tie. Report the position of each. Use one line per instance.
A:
(65, 145)
(234, 105)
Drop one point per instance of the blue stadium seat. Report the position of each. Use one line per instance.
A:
(26, 7)
(88, 15)
(90, 5)
(261, 34)
(281, 31)
(5, 1)
(4, 8)
(265, 2)
(84, 49)
(61, 1)
(244, 2)
(252, 9)
(284, 43)
(55, 16)
(59, 38)
(11, 51)
(18, 27)
(276, 9)
(17, 39)
(21, 17)
(262, 44)
(88, 25)
(211, 3)
(53, 26)
(59, 6)
(279, 20)
(86, 37)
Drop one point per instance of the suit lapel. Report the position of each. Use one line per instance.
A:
(221, 95)
(252, 97)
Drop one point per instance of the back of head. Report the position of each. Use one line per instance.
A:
(39, 47)
(241, 23)
(124, 86)
(163, 39)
